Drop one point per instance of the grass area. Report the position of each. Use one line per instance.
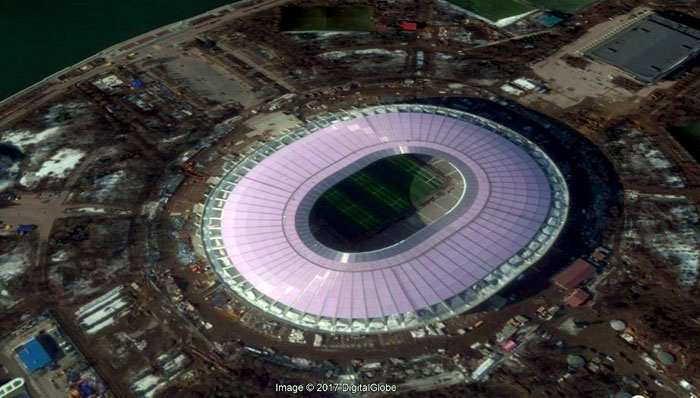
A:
(493, 10)
(689, 137)
(422, 181)
(562, 5)
(379, 192)
(300, 19)
(349, 208)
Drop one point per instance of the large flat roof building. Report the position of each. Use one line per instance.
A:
(650, 49)
(579, 271)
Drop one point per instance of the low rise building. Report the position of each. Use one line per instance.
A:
(34, 354)
(577, 298)
(578, 272)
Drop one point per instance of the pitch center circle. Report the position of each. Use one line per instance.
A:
(385, 202)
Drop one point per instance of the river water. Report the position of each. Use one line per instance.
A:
(40, 37)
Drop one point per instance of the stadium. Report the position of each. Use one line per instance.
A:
(382, 218)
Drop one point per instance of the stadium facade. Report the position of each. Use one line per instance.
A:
(255, 229)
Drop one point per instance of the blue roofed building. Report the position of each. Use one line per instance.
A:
(34, 355)
(549, 19)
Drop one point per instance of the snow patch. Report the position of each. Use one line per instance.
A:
(173, 139)
(500, 23)
(150, 209)
(59, 256)
(147, 386)
(106, 184)
(680, 246)
(98, 302)
(100, 325)
(103, 311)
(511, 90)
(638, 155)
(95, 210)
(13, 264)
(23, 139)
(8, 173)
(56, 167)
(370, 51)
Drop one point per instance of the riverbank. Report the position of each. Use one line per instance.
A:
(42, 37)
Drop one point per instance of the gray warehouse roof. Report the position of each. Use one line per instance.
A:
(650, 49)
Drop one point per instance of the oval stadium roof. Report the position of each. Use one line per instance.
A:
(255, 223)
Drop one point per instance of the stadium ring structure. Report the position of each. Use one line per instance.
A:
(255, 233)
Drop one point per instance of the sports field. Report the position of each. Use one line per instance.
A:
(493, 10)
(562, 5)
(380, 192)
(301, 19)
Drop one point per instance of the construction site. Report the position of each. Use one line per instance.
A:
(106, 169)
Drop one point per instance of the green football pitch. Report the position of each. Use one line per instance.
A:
(561, 5)
(318, 18)
(493, 10)
(379, 192)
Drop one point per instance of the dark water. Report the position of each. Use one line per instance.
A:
(40, 37)
(689, 137)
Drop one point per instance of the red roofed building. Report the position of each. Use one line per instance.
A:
(577, 298)
(579, 271)
(509, 345)
(409, 26)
